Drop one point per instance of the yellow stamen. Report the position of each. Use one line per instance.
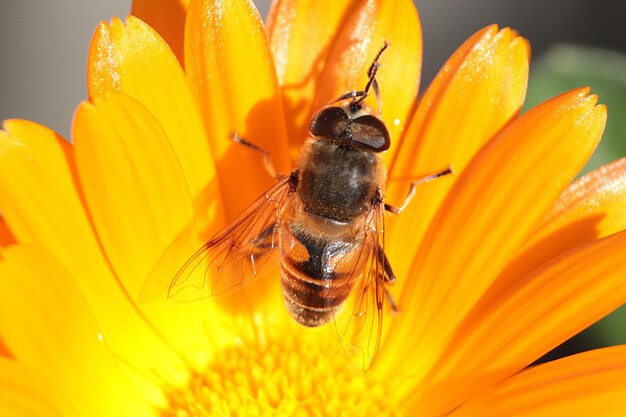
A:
(282, 370)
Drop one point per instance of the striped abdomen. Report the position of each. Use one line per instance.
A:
(318, 272)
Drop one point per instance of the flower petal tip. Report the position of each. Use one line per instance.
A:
(580, 97)
(512, 37)
(491, 29)
(8, 124)
(17, 127)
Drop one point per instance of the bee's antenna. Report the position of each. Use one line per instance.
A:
(372, 83)
(352, 94)
(359, 96)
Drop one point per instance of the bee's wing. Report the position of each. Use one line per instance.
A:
(234, 256)
(359, 322)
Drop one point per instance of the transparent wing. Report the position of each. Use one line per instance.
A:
(359, 322)
(234, 256)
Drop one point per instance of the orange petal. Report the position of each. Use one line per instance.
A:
(478, 91)
(601, 195)
(39, 198)
(48, 326)
(139, 203)
(588, 384)
(291, 25)
(134, 60)
(26, 393)
(360, 39)
(6, 237)
(132, 182)
(34, 161)
(230, 65)
(167, 17)
(558, 300)
(43, 207)
(591, 208)
(496, 202)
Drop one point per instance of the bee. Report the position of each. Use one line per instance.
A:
(325, 221)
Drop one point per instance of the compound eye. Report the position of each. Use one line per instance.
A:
(331, 122)
(370, 132)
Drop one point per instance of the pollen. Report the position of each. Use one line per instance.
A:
(275, 373)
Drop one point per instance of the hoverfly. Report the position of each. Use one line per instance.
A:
(326, 222)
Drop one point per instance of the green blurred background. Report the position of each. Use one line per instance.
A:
(43, 46)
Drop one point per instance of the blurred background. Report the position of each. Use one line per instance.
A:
(43, 44)
(43, 48)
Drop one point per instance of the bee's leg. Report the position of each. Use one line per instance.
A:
(267, 159)
(262, 245)
(411, 193)
(394, 307)
(389, 278)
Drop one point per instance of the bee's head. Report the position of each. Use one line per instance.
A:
(353, 121)
(352, 124)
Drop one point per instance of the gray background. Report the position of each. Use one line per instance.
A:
(43, 43)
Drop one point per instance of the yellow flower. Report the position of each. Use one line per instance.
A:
(496, 265)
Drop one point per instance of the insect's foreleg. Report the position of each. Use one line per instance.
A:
(411, 193)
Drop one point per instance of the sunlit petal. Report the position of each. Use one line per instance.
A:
(601, 194)
(588, 384)
(167, 17)
(131, 58)
(590, 208)
(43, 206)
(527, 320)
(230, 65)
(495, 203)
(363, 35)
(74, 356)
(26, 393)
(133, 184)
(36, 161)
(139, 203)
(478, 91)
(291, 25)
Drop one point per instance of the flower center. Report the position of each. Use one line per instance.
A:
(299, 372)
